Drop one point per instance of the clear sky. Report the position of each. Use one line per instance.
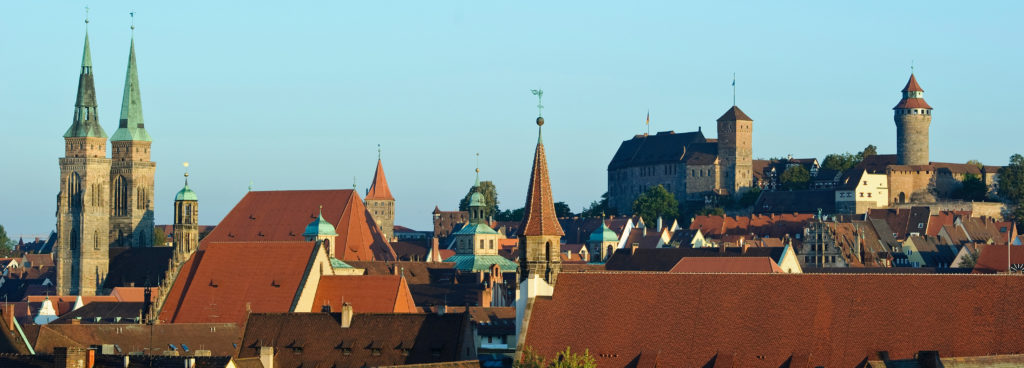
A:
(297, 95)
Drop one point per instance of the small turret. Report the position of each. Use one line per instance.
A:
(913, 116)
(322, 232)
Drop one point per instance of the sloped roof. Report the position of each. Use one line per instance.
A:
(663, 259)
(798, 201)
(992, 258)
(405, 338)
(216, 337)
(367, 294)
(912, 85)
(762, 320)
(477, 263)
(379, 188)
(701, 153)
(664, 147)
(733, 114)
(539, 212)
(219, 281)
(726, 265)
(107, 312)
(273, 216)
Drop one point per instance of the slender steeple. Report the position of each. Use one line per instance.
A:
(85, 122)
(380, 202)
(131, 126)
(379, 188)
(539, 214)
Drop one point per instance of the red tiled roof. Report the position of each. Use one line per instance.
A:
(539, 214)
(726, 265)
(992, 258)
(221, 279)
(379, 188)
(912, 85)
(273, 216)
(762, 320)
(912, 103)
(367, 294)
(733, 114)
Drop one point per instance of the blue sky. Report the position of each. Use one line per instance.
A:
(298, 95)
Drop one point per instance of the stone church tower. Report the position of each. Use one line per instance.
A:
(186, 224)
(913, 116)
(540, 233)
(380, 203)
(83, 208)
(131, 171)
(735, 151)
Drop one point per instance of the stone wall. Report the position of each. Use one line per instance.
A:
(912, 138)
(988, 209)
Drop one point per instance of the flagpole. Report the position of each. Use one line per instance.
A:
(734, 89)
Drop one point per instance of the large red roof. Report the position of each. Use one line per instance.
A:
(218, 283)
(379, 188)
(992, 258)
(762, 320)
(539, 213)
(273, 216)
(366, 294)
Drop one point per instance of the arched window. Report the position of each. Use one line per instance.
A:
(120, 196)
(75, 191)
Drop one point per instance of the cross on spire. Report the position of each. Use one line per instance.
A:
(132, 14)
(540, 95)
(87, 18)
(378, 151)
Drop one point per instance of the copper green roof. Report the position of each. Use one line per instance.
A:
(186, 194)
(131, 126)
(337, 263)
(85, 122)
(469, 262)
(479, 228)
(320, 227)
(603, 234)
(477, 199)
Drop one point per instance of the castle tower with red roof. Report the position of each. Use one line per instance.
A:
(540, 233)
(380, 203)
(913, 116)
(735, 151)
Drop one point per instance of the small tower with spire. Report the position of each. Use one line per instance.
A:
(540, 233)
(131, 171)
(83, 212)
(186, 223)
(322, 232)
(379, 201)
(735, 151)
(913, 117)
(477, 237)
(602, 242)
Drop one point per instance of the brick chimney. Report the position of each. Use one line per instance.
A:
(346, 316)
(435, 251)
(267, 356)
(9, 316)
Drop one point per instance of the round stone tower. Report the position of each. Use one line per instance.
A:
(912, 116)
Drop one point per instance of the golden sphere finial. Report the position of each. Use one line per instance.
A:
(540, 121)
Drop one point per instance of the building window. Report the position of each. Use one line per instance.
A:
(491, 243)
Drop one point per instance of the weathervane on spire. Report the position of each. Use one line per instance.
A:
(911, 66)
(132, 14)
(353, 182)
(87, 17)
(378, 151)
(185, 164)
(540, 95)
(478, 162)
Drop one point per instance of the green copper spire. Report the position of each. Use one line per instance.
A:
(85, 123)
(131, 126)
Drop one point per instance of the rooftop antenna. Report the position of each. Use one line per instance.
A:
(734, 88)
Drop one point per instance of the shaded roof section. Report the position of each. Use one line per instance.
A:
(726, 265)
(131, 126)
(664, 259)
(798, 201)
(274, 216)
(763, 320)
(366, 294)
(85, 122)
(539, 213)
(664, 147)
(221, 281)
(105, 312)
(379, 188)
(371, 340)
(138, 266)
(111, 360)
(733, 114)
(218, 338)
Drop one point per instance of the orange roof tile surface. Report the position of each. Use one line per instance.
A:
(272, 216)
(220, 280)
(366, 294)
(379, 188)
(912, 85)
(539, 213)
(762, 320)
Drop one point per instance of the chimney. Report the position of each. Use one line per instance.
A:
(64, 357)
(9, 316)
(435, 251)
(267, 356)
(441, 309)
(91, 355)
(346, 316)
(644, 231)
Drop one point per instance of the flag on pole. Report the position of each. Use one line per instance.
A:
(648, 122)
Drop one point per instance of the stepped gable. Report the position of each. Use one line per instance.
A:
(274, 216)
(765, 320)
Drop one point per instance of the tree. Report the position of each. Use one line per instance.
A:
(7, 245)
(1011, 180)
(562, 210)
(159, 237)
(977, 163)
(598, 208)
(972, 189)
(490, 194)
(868, 151)
(795, 178)
(711, 211)
(510, 215)
(748, 198)
(564, 359)
(656, 202)
(839, 161)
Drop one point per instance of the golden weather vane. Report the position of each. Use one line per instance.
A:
(540, 95)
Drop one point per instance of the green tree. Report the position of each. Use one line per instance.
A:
(977, 163)
(972, 189)
(748, 198)
(4, 240)
(562, 210)
(564, 359)
(7, 245)
(1011, 180)
(656, 202)
(711, 211)
(510, 215)
(159, 237)
(598, 208)
(839, 161)
(868, 151)
(490, 194)
(795, 178)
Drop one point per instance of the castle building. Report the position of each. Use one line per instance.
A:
(913, 116)
(103, 202)
(689, 165)
(540, 233)
(380, 203)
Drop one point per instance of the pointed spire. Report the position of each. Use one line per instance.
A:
(85, 122)
(477, 183)
(539, 213)
(912, 85)
(379, 188)
(131, 126)
(913, 97)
